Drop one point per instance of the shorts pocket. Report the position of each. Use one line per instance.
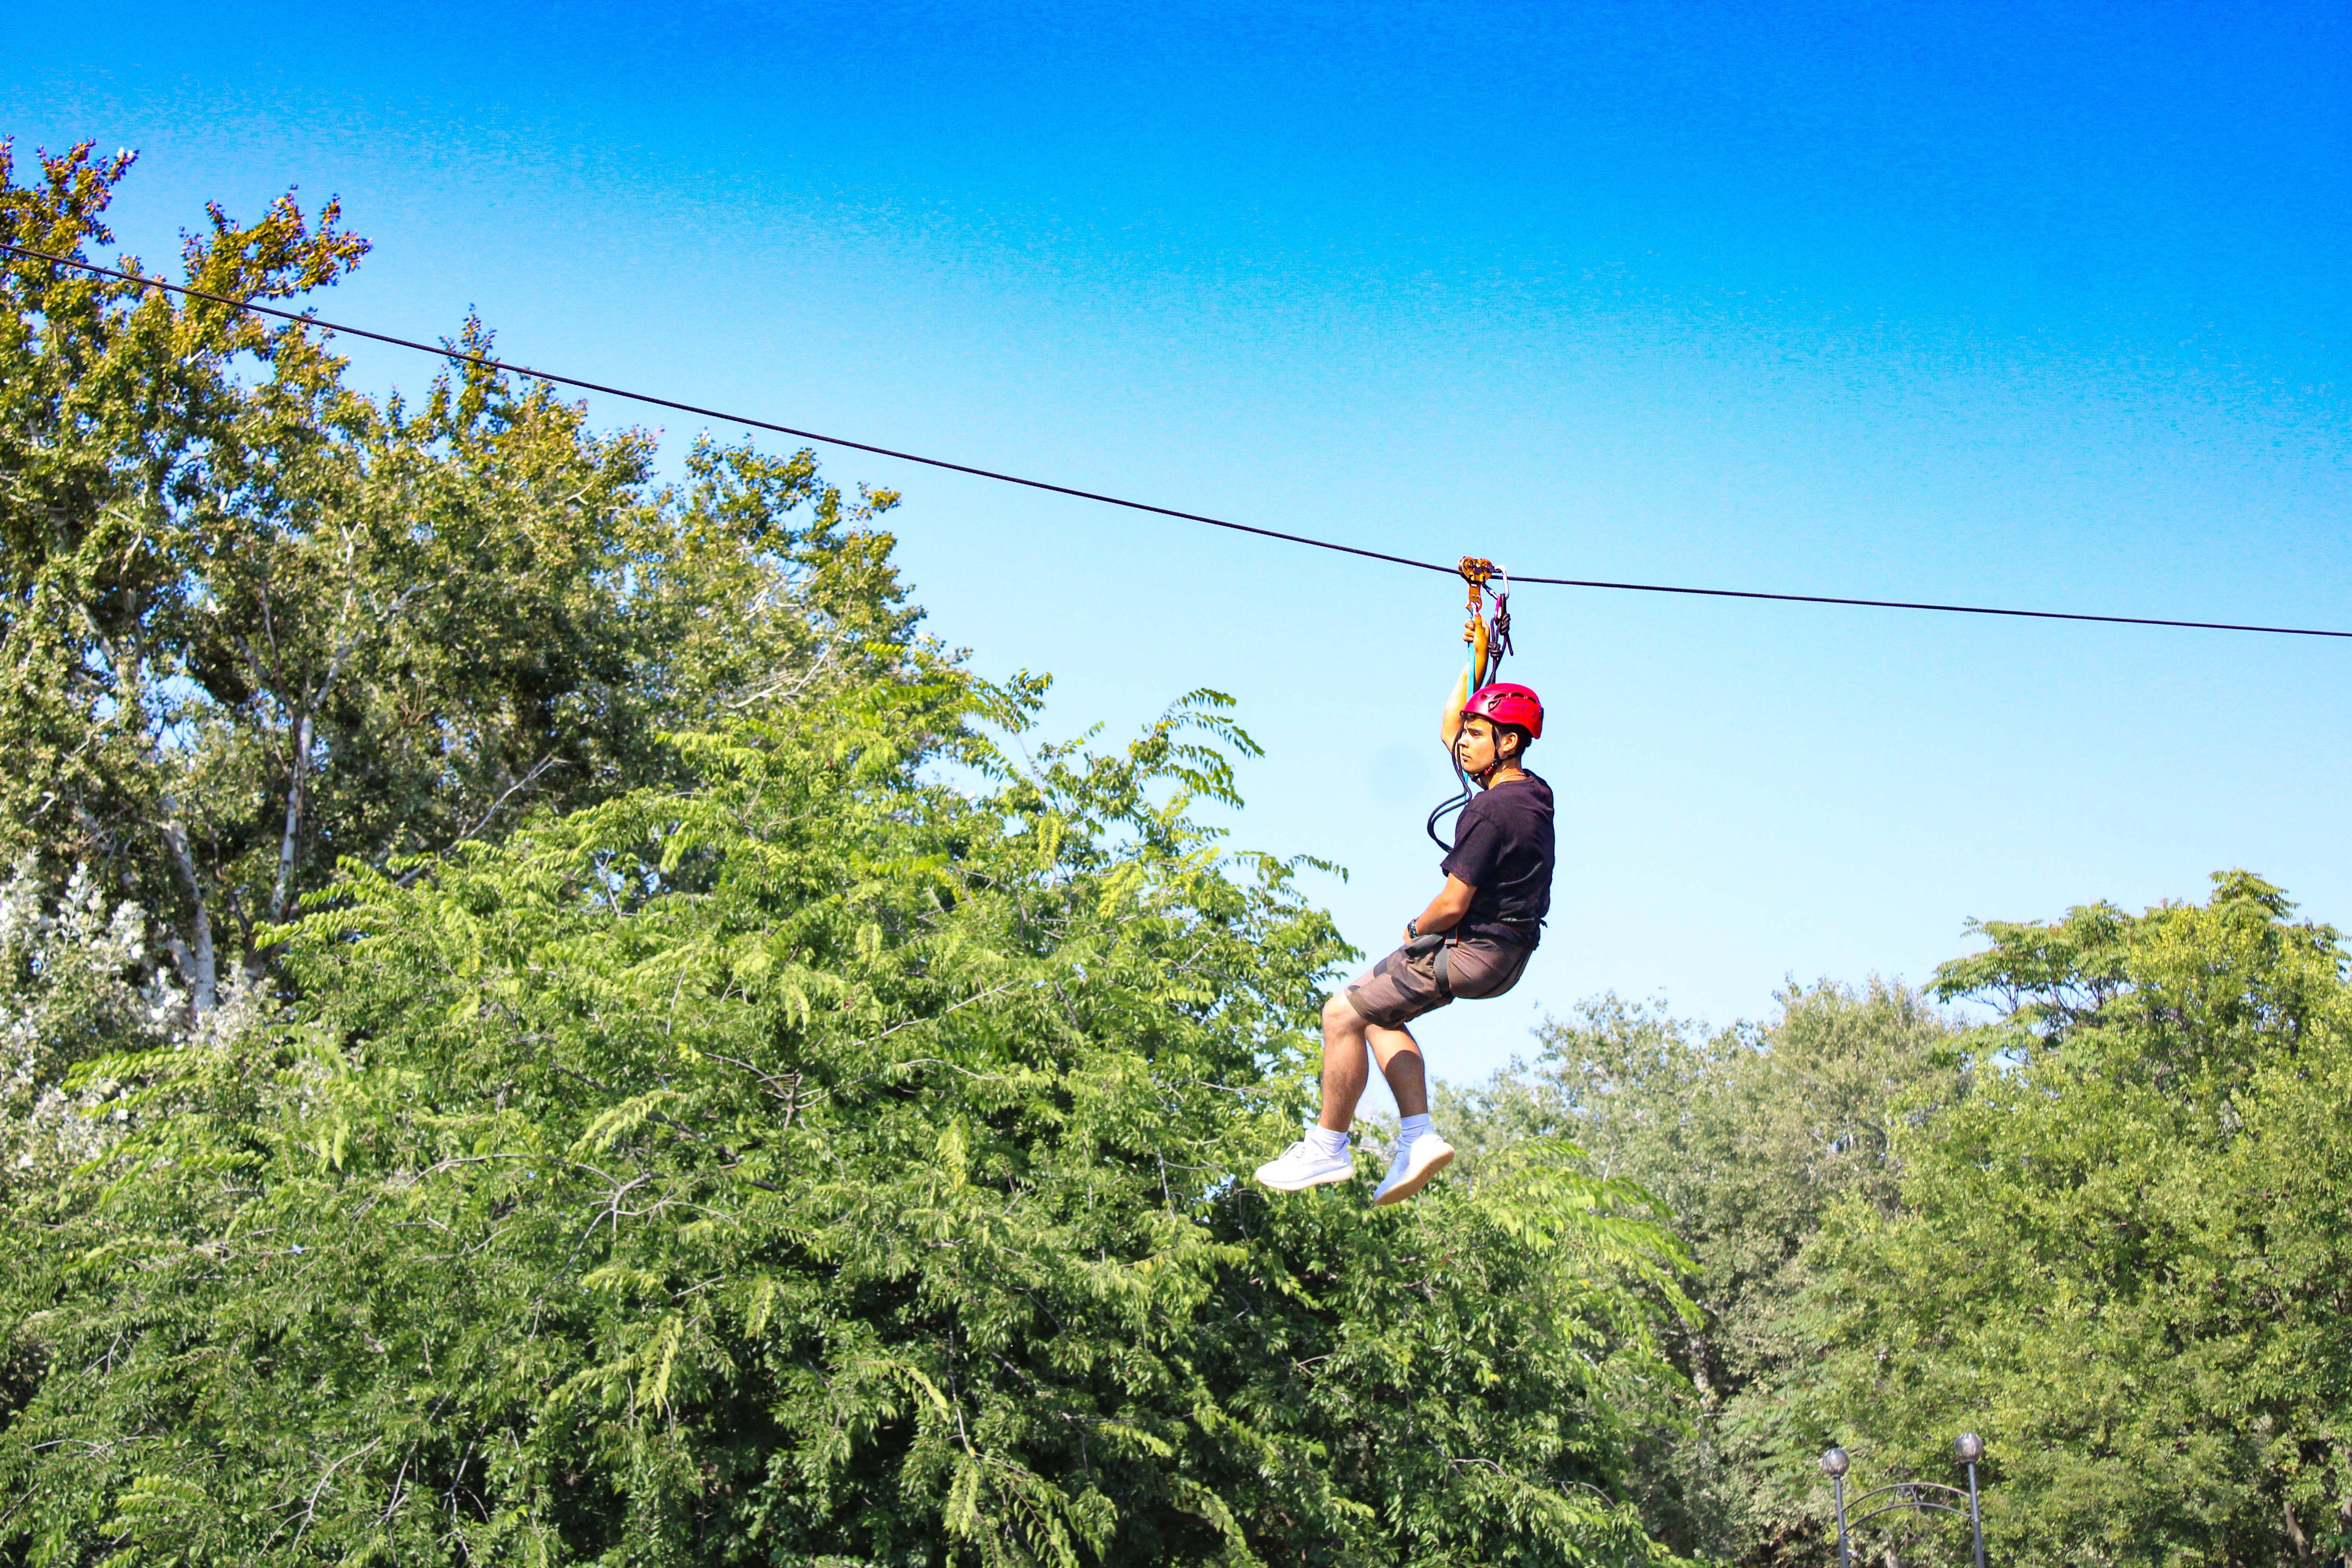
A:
(1498, 969)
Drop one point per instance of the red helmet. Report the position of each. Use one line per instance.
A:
(1506, 704)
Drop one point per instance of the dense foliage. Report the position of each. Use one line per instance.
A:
(2107, 1233)
(1747, 1136)
(256, 623)
(2126, 1260)
(818, 1164)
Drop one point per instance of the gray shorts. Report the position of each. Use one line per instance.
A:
(1411, 981)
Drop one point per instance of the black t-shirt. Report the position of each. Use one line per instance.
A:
(1502, 848)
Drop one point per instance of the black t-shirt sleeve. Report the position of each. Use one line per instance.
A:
(1478, 843)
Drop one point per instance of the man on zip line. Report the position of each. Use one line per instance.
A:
(1474, 940)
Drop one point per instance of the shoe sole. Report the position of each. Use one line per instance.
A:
(1415, 1181)
(1347, 1175)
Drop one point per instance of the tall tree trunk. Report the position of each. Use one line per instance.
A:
(291, 839)
(198, 966)
(1699, 1379)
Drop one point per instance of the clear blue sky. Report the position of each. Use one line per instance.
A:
(2039, 304)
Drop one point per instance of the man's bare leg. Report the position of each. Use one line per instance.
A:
(1344, 1068)
(1322, 1155)
(1399, 1054)
(1419, 1152)
(1346, 1038)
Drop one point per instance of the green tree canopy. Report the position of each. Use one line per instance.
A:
(2124, 1260)
(256, 623)
(819, 1164)
(1747, 1136)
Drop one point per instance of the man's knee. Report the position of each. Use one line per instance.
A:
(1339, 1015)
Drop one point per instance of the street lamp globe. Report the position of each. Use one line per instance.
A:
(1835, 1463)
(1968, 1446)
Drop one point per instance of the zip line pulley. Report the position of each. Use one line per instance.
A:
(1488, 636)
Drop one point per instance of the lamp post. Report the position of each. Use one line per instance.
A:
(1970, 1448)
(1837, 1464)
(1919, 1497)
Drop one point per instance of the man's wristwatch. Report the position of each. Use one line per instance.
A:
(1413, 929)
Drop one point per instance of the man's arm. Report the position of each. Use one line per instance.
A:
(1446, 909)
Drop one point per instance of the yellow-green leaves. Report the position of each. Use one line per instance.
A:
(792, 1158)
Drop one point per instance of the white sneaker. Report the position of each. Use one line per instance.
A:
(1302, 1167)
(1413, 1165)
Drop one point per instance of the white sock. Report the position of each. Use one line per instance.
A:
(1323, 1141)
(1415, 1126)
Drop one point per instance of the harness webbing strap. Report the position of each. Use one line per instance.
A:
(1486, 638)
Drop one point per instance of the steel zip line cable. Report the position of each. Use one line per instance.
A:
(443, 350)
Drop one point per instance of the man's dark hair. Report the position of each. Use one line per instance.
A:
(1526, 740)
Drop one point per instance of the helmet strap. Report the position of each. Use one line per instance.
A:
(1486, 775)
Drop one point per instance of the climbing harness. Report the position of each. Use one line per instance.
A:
(1487, 635)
